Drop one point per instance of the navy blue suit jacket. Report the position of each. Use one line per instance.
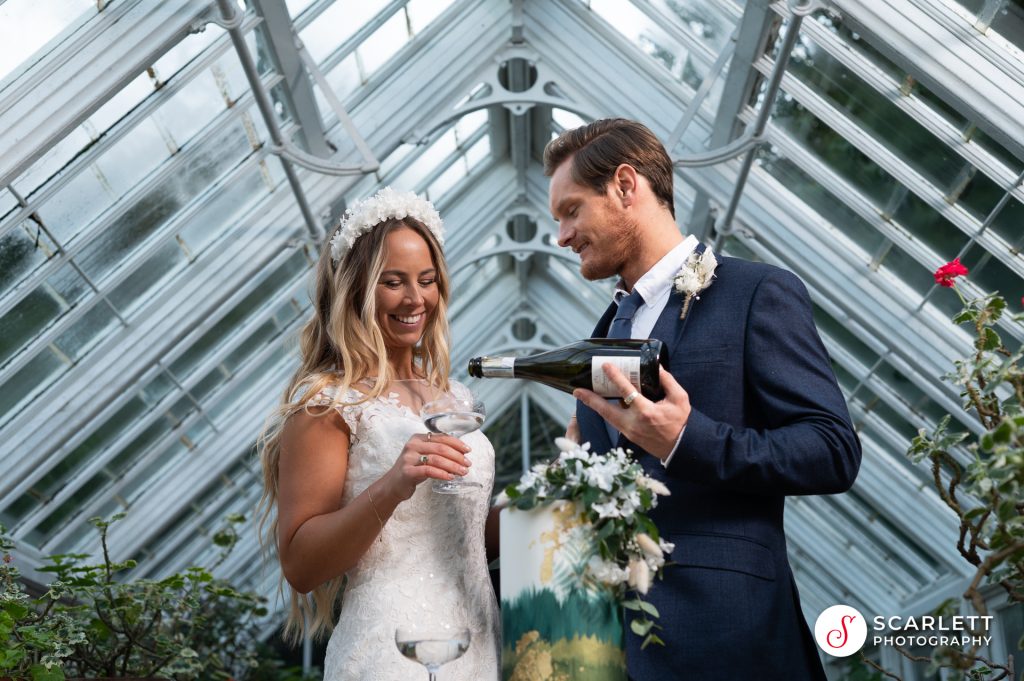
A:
(768, 421)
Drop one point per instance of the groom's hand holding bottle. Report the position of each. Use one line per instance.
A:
(654, 426)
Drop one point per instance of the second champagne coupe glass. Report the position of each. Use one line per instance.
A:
(432, 646)
(453, 416)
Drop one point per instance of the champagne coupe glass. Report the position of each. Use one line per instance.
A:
(432, 646)
(453, 416)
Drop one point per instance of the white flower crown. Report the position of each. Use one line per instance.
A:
(386, 204)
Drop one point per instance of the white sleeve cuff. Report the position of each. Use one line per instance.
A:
(668, 459)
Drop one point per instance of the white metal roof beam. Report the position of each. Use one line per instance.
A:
(960, 64)
(751, 43)
(74, 80)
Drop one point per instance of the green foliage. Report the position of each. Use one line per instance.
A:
(35, 635)
(96, 621)
(981, 477)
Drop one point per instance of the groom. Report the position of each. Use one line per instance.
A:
(752, 411)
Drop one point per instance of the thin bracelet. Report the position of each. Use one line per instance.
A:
(380, 537)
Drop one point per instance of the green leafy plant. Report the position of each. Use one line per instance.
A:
(95, 620)
(35, 639)
(981, 477)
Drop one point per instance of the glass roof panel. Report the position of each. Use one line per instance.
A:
(383, 44)
(338, 22)
(422, 12)
(47, 21)
(844, 90)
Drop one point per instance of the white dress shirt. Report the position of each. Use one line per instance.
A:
(655, 286)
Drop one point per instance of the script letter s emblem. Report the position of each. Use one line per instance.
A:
(841, 636)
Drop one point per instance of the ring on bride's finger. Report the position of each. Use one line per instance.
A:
(628, 399)
(423, 459)
(429, 436)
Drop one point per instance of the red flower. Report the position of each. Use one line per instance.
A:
(945, 275)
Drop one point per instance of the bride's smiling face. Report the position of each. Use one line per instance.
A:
(407, 291)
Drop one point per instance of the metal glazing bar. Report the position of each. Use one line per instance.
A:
(278, 37)
(989, 219)
(187, 394)
(702, 92)
(889, 161)
(127, 124)
(382, 16)
(524, 430)
(125, 269)
(723, 226)
(988, 13)
(697, 48)
(157, 450)
(175, 346)
(231, 16)
(371, 164)
(923, 113)
(124, 204)
(451, 159)
(71, 261)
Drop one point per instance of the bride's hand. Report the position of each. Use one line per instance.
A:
(428, 456)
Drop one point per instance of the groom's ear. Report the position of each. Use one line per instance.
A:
(624, 181)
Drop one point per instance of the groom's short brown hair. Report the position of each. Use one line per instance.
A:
(598, 148)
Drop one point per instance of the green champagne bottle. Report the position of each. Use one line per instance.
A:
(579, 366)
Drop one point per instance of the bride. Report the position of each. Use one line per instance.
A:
(345, 457)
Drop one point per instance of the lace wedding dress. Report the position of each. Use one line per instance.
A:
(429, 564)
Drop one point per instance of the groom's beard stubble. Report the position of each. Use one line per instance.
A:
(622, 243)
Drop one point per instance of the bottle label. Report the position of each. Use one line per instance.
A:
(498, 367)
(603, 386)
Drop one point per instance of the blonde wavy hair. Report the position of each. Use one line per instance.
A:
(341, 345)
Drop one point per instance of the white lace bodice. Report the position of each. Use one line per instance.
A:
(429, 563)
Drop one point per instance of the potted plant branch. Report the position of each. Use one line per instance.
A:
(987, 492)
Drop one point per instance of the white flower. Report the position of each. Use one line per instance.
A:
(639, 575)
(629, 503)
(694, 276)
(384, 205)
(528, 480)
(696, 273)
(656, 486)
(666, 546)
(607, 572)
(607, 510)
(602, 474)
(574, 473)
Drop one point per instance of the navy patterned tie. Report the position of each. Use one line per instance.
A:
(622, 325)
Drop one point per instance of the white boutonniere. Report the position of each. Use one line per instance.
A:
(694, 276)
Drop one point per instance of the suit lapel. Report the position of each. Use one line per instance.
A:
(669, 328)
(678, 299)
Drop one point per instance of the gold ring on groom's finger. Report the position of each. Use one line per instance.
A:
(423, 459)
(628, 399)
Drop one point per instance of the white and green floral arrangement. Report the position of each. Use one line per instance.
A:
(611, 497)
